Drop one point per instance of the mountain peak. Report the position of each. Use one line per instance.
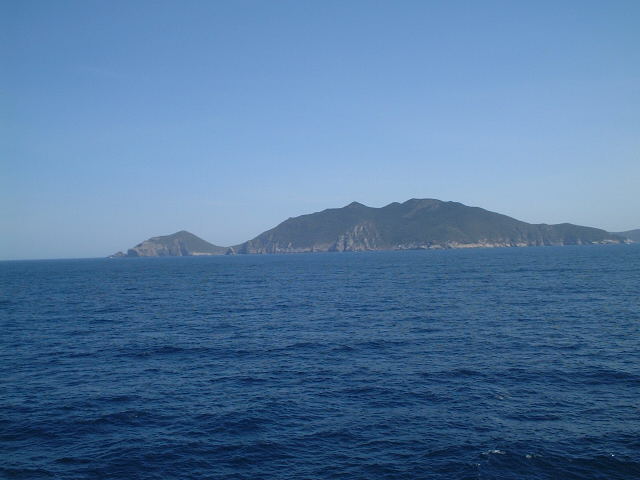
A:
(355, 205)
(423, 202)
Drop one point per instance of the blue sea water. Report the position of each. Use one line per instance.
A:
(460, 364)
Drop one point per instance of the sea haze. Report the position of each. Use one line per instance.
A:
(454, 364)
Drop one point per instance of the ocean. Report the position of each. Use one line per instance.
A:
(507, 363)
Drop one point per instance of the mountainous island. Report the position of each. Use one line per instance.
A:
(414, 224)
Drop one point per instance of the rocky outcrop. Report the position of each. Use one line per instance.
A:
(179, 244)
(361, 237)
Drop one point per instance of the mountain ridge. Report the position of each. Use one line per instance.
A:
(415, 224)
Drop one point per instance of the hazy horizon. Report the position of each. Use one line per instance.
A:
(124, 249)
(125, 121)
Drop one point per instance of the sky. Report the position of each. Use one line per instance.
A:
(123, 120)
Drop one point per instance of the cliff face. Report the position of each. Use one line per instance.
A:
(415, 224)
(176, 245)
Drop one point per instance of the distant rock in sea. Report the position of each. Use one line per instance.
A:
(179, 244)
(414, 224)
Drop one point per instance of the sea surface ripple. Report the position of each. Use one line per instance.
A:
(461, 364)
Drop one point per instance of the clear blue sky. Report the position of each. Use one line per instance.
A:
(121, 120)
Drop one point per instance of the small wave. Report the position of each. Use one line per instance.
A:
(73, 460)
(530, 417)
(608, 376)
(368, 390)
(302, 345)
(343, 348)
(143, 352)
(110, 309)
(118, 398)
(20, 433)
(251, 380)
(494, 452)
(336, 435)
(130, 418)
(26, 473)
(381, 344)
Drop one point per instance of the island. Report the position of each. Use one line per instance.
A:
(414, 224)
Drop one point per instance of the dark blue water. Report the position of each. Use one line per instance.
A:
(478, 364)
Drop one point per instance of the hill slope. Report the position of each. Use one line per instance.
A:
(414, 224)
(179, 244)
(633, 235)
